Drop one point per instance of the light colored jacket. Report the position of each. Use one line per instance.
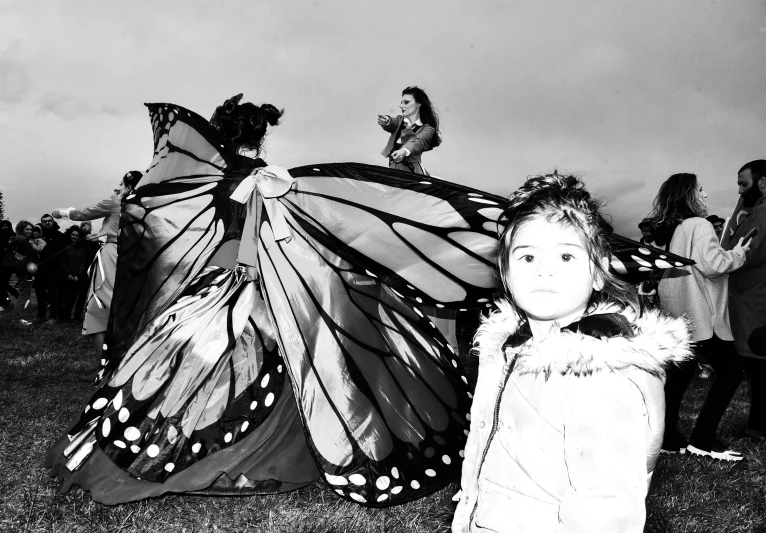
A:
(569, 443)
(747, 286)
(700, 291)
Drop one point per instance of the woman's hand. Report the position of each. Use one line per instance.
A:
(383, 120)
(740, 248)
(398, 155)
(90, 237)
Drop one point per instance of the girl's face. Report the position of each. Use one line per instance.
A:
(551, 274)
(702, 195)
(36, 234)
(27, 231)
(75, 236)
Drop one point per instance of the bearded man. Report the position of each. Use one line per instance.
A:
(747, 286)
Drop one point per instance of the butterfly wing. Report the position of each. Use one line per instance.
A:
(432, 241)
(383, 397)
(635, 262)
(170, 226)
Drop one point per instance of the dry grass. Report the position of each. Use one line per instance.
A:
(40, 394)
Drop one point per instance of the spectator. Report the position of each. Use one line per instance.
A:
(747, 286)
(72, 272)
(647, 236)
(91, 245)
(698, 292)
(717, 223)
(6, 232)
(20, 244)
(49, 272)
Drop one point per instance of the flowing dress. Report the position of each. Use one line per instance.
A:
(104, 267)
(322, 367)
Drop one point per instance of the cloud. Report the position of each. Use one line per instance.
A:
(14, 80)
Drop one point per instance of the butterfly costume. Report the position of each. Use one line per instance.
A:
(268, 333)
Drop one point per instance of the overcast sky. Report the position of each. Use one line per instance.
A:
(624, 93)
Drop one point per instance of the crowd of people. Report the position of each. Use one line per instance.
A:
(295, 276)
(55, 266)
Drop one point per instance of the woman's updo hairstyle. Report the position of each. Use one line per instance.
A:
(563, 199)
(244, 125)
(132, 178)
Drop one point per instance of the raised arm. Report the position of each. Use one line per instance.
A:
(99, 210)
(712, 260)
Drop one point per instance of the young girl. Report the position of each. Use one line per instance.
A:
(567, 419)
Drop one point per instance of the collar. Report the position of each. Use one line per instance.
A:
(601, 326)
(416, 123)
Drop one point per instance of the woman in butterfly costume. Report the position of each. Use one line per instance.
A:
(266, 328)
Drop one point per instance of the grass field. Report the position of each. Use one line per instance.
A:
(40, 394)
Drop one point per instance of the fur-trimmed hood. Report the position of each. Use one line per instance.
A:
(658, 340)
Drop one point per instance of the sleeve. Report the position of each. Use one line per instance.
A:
(712, 260)
(99, 210)
(605, 453)
(392, 125)
(756, 256)
(422, 140)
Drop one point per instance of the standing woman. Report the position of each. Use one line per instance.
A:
(73, 270)
(413, 132)
(104, 267)
(699, 292)
(20, 244)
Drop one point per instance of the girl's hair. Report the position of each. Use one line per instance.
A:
(428, 114)
(71, 229)
(563, 199)
(37, 227)
(244, 125)
(21, 225)
(677, 200)
(132, 178)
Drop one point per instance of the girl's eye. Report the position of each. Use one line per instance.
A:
(527, 258)
(566, 257)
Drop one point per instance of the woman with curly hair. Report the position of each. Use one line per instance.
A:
(700, 293)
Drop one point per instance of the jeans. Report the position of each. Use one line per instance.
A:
(24, 286)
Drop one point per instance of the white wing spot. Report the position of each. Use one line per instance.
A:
(431, 473)
(153, 450)
(132, 433)
(100, 403)
(227, 437)
(265, 381)
(383, 482)
(244, 425)
(169, 467)
(415, 485)
(357, 497)
(336, 480)
(446, 460)
(269, 399)
(382, 497)
(119, 444)
(196, 447)
(357, 479)
(253, 405)
(395, 472)
(396, 490)
(106, 427)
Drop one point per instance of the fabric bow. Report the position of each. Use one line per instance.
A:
(272, 182)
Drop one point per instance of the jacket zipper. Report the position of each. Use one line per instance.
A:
(507, 369)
